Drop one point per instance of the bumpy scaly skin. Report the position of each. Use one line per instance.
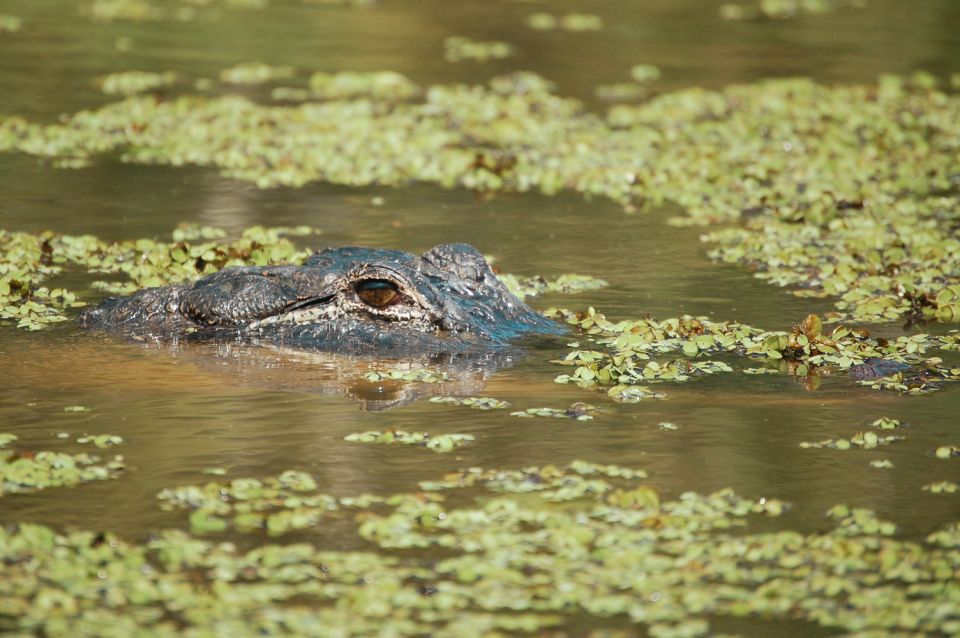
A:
(448, 300)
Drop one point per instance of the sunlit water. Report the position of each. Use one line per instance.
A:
(180, 412)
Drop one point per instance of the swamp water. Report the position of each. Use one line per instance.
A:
(359, 538)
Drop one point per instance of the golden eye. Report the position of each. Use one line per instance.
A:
(378, 293)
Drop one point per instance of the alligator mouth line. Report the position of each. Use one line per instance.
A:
(302, 312)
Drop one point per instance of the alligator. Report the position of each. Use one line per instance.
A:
(349, 300)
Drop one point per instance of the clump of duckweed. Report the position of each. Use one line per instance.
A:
(477, 403)
(863, 440)
(537, 549)
(568, 22)
(441, 443)
(537, 285)
(255, 73)
(28, 471)
(419, 375)
(886, 423)
(633, 393)
(27, 259)
(457, 49)
(645, 73)
(859, 521)
(110, 10)
(621, 92)
(947, 452)
(290, 94)
(142, 10)
(349, 85)
(642, 74)
(807, 349)
(279, 504)
(101, 441)
(578, 412)
(134, 82)
(784, 9)
(75, 408)
(10, 24)
(942, 487)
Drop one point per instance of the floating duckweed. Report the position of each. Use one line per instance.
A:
(512, 561)
(942, 487)
(633, 393)
(581, 22)
(478, 403)
(290, 94)
(760, 371)
(437, 442)
(420, 375)
(569, 22)
(76, 408)
(948, 537)
(645, 73)
(536, 285)
(950, 341)
(542, 21)
(134, 82)
(587, 468)
(885, 423)
(947, 452)
(522, 83)
(621, 92)
(382, 85)
(806, 349)
(783, 9)
(101, 440)
(858, 521)
(865, 440)
(882, 464)
(578, 411)
(9, 23)
(110, 10)
(278, 504)
(256, 73)
(30, 471)
(457, 49)
(141, 10)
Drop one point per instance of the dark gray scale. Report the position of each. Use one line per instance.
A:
(240, 295)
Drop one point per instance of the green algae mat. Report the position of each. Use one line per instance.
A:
(750, 428)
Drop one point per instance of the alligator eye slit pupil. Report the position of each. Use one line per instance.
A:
(378, 293)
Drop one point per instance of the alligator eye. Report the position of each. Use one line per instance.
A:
(378, 293)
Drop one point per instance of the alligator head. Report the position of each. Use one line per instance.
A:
(351, 300)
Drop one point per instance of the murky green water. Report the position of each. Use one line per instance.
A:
(256, 413)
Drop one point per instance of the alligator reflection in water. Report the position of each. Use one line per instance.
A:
(378, 384)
